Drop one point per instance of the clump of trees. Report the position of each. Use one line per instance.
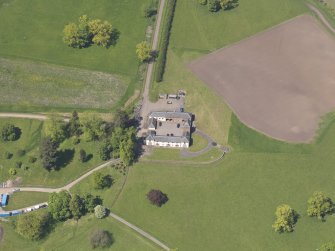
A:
(33, 226)
(101, 239)
(319, 205)
(88, 32)
(216, 5)
(118, 138)
(157, 197)
(63, 206)
(10, 132)
(286, 218)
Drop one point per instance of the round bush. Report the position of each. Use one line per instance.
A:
(100, 212)
(157, 197)
(20, 152)
(101, 239)
(10, 133)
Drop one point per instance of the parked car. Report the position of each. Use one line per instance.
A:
(169, 102)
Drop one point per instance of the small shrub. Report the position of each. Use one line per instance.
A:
(82, 155)
(203, 2)
(18, 164)
(100, 212)
(8, 155)
(20, 152)
(157, 197)
(76, 140)
(12, 171)
(25, 167)
(101, 239)
(32, 159)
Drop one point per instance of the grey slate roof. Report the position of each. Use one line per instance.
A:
(170, 115)
(168, 139)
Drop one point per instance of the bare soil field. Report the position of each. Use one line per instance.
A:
(280, 82)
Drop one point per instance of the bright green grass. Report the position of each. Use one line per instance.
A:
(27, 83)
(230, 205)
(73, 236)
(36, 175)
(20, 200)
(34, 30)
(252, 180)
(108, 195)
(199, 32)
(170, 154)
(198, 143)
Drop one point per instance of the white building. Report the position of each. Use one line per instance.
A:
(169, 129)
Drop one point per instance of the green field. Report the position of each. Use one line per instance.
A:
(34, 32)
(73, 235)
(199, 32)
(20, 200)
(36, 175)
(230, 205)
(31, 85)
(198, 143)
(108, 195)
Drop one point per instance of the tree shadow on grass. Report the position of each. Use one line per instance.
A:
(65, 157)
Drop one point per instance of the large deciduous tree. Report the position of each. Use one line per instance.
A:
(157, 197)
(143, 51)
(100, 211)
(101, 239)
(55, 129)
(92, 126)
(77, 207)
(33, 226)
(319, 205)
(59, 205)
(286, 218)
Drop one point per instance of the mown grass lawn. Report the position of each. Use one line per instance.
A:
(230, 205)
(197, 32)
(20, 200)
(198, 143)
(34, 32)
(108, 195)
(70, 166)
(72, 235)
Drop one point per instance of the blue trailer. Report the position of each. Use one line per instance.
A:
(4, 200)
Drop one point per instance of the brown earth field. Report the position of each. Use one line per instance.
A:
(280, 82)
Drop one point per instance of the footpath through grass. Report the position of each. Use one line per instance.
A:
(72, 235)
(230, 205)
(197, 32)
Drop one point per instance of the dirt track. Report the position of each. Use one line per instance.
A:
(279, 82)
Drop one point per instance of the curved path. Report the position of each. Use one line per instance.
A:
(66, 187)
(321, 16)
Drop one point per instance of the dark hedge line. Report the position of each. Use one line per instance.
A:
(161, 61)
